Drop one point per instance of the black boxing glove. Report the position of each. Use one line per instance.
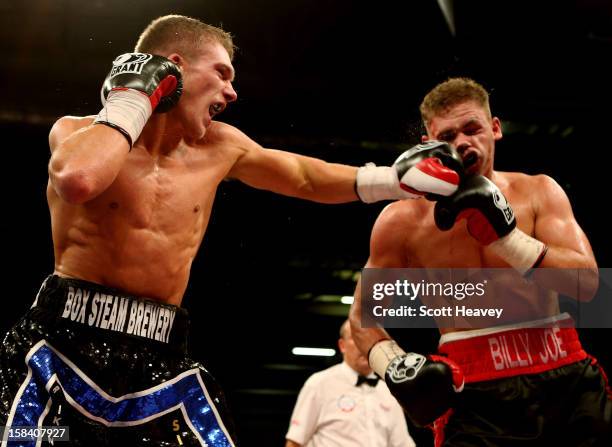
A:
(425, 387)
(431, 169)
(490, 220)
(137, 85)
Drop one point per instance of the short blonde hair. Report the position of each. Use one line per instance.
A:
(171, 33)
(450, 93)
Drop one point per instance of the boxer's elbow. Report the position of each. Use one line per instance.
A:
(588, 284)
(579, 283)
(585, 278)
(74, 186)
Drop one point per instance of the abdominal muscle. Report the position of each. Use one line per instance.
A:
(143, 263)
(141, 235)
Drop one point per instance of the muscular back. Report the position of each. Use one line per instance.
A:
(142, 233)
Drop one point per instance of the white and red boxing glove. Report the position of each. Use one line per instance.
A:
(431, 169)
(137, 85)
(491, 221)
(425, 386)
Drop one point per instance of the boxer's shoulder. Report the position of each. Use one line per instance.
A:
(520, 182)
(519, 178)
(397, 225)
(403, 214)
(221, 133)
(229, 142)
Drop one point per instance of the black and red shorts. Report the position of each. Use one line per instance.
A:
(530, 384)
(113, 368)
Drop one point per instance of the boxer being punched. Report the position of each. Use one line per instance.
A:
(103, 348)
(495, 219)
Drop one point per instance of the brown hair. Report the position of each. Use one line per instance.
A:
(450, 93)
(171, 33)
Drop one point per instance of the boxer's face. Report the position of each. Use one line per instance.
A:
(207, 88)
(470, 129)
(352, 355)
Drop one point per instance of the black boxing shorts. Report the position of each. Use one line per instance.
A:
(111, 368)
(529, 384)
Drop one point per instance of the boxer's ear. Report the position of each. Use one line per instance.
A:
(497, 128)
(342, 345)
(177, 59)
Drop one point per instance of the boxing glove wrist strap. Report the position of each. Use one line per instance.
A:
(126, 111)
(520, 250)
(381, 354)
(374, 183)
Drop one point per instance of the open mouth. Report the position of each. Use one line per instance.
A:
(215, 109)
(470, 160)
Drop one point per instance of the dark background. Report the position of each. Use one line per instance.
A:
(337, 80)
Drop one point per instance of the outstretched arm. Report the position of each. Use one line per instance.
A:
(295, 175)
(431, 168)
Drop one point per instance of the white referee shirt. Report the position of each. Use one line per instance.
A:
(331, 411)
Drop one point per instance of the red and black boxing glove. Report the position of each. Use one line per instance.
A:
(432, 169)
(491, 221)
(425, 386)
(137, 85)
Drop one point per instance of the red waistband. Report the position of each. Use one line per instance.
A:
(514, 350)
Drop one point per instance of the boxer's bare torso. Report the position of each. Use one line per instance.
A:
(425, 246)
(142, 233)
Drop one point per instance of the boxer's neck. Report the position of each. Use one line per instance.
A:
(161, 136)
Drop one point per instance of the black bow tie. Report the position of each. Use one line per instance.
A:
(372, 381)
